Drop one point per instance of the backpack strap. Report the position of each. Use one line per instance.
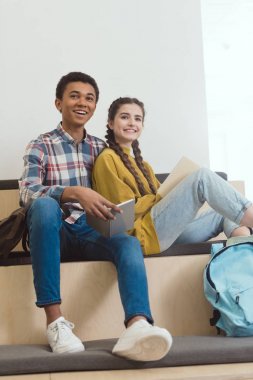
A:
(25, 240)
(214, 320)
(215, 317)
(25, 236)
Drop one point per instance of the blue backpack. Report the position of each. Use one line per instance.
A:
(228, 286)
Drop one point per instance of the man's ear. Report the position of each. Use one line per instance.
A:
(58, 104)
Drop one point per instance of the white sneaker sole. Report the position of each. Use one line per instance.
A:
(148, 348)
(69, 350)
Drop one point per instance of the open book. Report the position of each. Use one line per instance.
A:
(183, 168)
(122, 223)
(239, 239)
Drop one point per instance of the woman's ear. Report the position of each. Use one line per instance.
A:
(110, 125)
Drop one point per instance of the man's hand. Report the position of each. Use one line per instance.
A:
(91, 201)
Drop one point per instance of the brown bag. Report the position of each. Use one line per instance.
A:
(13, 229)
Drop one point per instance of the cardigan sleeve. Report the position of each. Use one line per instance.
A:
(107, 182)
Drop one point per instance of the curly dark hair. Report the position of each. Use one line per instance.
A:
(75, 76)
(110, 139)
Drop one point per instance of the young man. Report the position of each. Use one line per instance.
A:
(57, 177)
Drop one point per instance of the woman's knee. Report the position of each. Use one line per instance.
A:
(204, 172)
(204, 176)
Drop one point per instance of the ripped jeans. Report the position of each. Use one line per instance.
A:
(176, 217)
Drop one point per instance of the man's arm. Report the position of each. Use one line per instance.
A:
(31, 186)
(31, 182)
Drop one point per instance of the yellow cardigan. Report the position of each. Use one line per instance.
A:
(113, 180)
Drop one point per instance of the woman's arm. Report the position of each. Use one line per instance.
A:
(107, 181)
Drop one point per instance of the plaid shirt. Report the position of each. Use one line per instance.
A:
(54, 161)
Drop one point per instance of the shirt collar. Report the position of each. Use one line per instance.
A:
(66, 136)
(126, 150)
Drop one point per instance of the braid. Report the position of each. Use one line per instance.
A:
(139, 162)
(124, 158)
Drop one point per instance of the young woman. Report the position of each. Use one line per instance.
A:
(118, 175)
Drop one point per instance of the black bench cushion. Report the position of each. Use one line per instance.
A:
(12, 184)
(24, 258)
(187, 350)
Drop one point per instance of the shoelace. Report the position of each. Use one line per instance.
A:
(60, 329)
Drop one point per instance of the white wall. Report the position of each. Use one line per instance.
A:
(228, 57)
(151, 50)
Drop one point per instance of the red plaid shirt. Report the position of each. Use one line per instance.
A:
(54, 161)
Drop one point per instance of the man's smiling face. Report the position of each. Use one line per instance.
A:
(77, 104)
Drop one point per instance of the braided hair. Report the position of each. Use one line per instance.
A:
(110, 139)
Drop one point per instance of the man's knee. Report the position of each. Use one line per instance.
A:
(44, 209)
(127, 241)
(128, 248)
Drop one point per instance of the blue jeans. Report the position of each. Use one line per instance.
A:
(51, 238)
(175, 216)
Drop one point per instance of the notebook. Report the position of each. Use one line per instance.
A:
(183, 168)
(122, 223)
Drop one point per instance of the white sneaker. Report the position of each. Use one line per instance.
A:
(61, 338)
(144, 342)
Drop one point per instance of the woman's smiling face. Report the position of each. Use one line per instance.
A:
(127, 124)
